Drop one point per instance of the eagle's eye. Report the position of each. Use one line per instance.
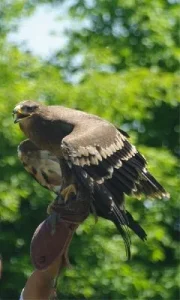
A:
(29, 109)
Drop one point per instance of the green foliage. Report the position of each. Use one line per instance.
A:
(127, 74)
(124, 34)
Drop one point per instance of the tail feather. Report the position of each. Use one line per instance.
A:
(108, 209)
(136, 227)
(108, 203)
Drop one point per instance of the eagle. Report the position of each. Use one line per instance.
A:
(91, 152)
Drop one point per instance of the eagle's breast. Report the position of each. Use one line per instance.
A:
(45, 133)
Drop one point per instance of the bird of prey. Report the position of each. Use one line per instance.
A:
(93, 153)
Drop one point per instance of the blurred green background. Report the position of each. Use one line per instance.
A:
(120, 61)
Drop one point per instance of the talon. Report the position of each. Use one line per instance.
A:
(70, 189)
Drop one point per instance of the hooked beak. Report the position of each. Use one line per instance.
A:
(17, 114)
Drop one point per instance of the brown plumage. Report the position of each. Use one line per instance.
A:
(98, 155)
(42, 165)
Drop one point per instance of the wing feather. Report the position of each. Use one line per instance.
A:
(106, 155)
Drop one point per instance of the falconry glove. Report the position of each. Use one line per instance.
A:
(47, 245)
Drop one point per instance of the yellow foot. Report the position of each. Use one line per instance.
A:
(70, 189)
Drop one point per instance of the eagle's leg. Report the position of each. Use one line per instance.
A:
(68, 183)
(67, 191)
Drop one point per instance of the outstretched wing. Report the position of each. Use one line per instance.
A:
(41, 164)
(109, 166)
(106, 155)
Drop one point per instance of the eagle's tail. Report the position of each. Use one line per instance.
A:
(135, 226)
(106, 207)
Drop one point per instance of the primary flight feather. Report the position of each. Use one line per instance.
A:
(97, 154)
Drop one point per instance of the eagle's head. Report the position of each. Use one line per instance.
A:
(25, 110)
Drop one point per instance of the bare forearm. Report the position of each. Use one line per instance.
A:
(40, 283)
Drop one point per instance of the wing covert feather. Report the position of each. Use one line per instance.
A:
(109, 158)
